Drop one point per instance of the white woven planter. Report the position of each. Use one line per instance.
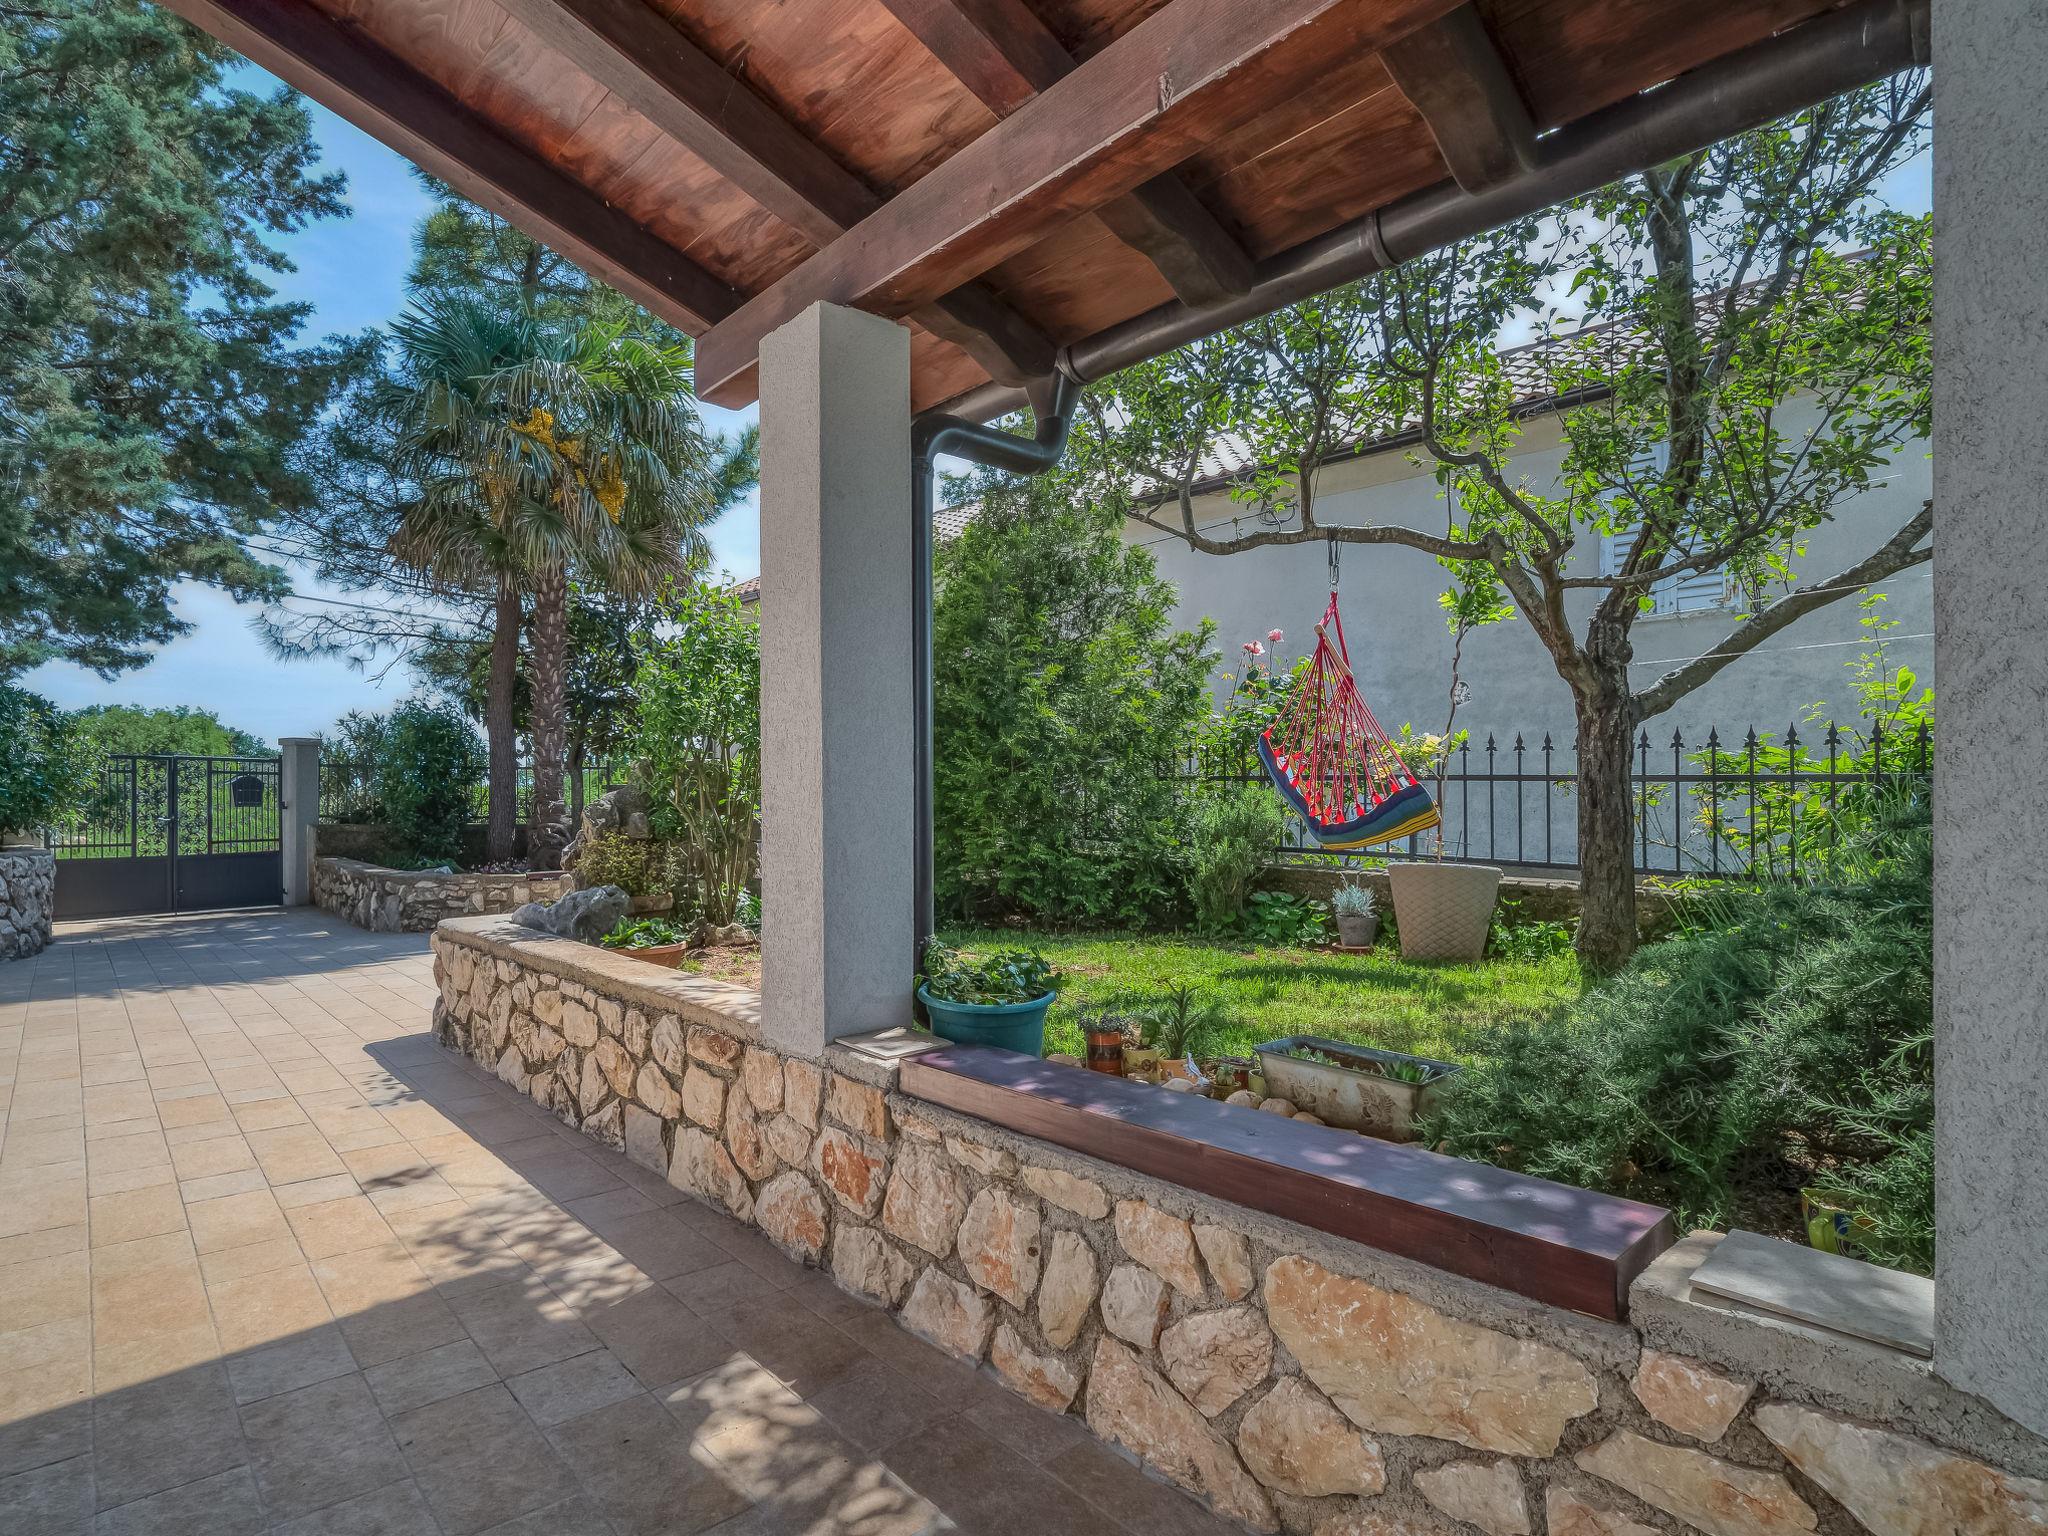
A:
(1443, 910)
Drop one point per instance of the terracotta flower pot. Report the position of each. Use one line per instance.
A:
(1443, 910)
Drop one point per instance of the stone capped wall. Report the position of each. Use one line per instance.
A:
(404, 901)
(1292, 1380)
(28, 898)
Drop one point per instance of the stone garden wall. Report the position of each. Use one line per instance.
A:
(404, 901)
(1292, 1380)
(28, 897)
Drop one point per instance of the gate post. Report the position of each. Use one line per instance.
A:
(298, 811)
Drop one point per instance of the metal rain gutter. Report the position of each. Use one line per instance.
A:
(1833, 53)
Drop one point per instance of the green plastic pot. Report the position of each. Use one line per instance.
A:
(1012, 1026)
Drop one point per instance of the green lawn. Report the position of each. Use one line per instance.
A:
(1376, 999)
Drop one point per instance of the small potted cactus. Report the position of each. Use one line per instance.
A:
(1357, 923)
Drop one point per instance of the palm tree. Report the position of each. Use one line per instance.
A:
(532, 448)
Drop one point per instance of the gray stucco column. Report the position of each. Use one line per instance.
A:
(1991, 805)
(836, 747)
(298, 798)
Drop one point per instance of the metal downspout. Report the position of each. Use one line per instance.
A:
(930, 436)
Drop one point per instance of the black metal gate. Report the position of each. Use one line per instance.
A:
(173, 834)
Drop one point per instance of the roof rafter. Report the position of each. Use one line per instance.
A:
(1453, 75)
(1005, 55)
(644, 60)
(339, 65)
(1189, 72)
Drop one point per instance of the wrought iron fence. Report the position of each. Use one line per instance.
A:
(1701, 810)
(348, 789)
(209, 805)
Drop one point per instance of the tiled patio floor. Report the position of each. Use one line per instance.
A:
(271, 1260)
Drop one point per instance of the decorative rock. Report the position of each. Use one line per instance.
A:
(579, 1026)
(585, 916)
(667, 1045)
(989, 1162)
(1162, 1243)
(858, 1107)
(1176, 1085)
(1134, 1305)
(1244, 1096)
(867, 1262)
(607, 1126)
(1900, 1486)
(1719, 1497)
(998, 1242)
(1301, 1118)
(1214, 1358)
(1131, 1405)
(792, 1213)
(617, 1066)
(1067, 1290)
(703, 1097)
(1566, 1514)
(850, 1171)
(1487, 1494)
(953, 1316)
(652, 1088)
(1684, 1395)
(1295, 1442)
(1046, 1380)
(790, 1141)
(802, 1086)
(714, 1049)
(926, 1200)
(1084, 1197)
(1394, 1365)
(761, 1071)
(704, 1167)
(743, 1136)
(1229, 1259)
(1284, 1108)
(643, 1139)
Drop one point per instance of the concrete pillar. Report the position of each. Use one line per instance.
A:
(836, 758)
(1991, 654)
(298, 801)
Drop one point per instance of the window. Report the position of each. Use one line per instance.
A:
(1685, 592)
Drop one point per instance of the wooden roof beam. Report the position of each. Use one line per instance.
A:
(644, 60)
(1453, 75)
(1184, 75)
(1005, 55)
(340, 66)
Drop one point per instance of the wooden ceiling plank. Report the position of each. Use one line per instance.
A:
(1452, 74)
(650, 65)
(1005, 55)
(337, 65)
(1132, 112)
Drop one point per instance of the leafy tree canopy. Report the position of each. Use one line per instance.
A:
(151, 398)
(185, 731)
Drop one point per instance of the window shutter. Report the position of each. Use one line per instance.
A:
(1689, 592)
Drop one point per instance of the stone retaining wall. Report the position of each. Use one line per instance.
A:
(1537, 899)
(28, 899)
(404, 901)
(1292, 1380)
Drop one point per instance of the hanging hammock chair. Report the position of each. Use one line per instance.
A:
(1333, 764)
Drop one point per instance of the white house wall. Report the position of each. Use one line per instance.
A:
(1401, 649)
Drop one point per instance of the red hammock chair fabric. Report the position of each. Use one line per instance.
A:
(1333, 764)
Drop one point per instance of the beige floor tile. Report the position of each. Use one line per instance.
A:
(339, 1226)
(45, 1244)
(225, 1264)
(137, 1213)
(263, 1308)
(66, 1339)
(125, 1180)
(369, 1277)
(214, 1186)
(334, 1186)
(294, 1152)
(143, 1253)
(42, 1390)
(143, 1150)
(269, 1115)
(131, 1362)
(235, 1221)
(139, 1303)
(206, 1109)
(221, 1154)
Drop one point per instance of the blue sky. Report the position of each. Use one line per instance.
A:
(353, 273)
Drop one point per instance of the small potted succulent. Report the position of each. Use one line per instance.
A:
(1358, 924)
(1001, 1000)
(1354, 1086)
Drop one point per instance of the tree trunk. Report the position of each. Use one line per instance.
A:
(1607, 868)
(501, 826)
(577, 755)
(550, 678)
